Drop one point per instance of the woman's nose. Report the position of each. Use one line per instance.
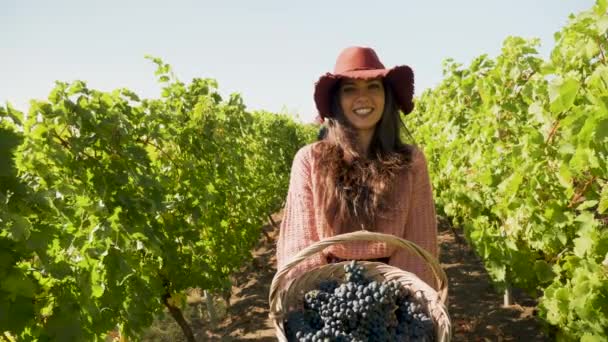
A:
(362, 98)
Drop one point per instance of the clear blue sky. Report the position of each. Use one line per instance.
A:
(271, 52)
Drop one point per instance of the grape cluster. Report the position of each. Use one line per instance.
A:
(359, 310)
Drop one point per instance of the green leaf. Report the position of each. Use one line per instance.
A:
(65, 324)
(586, 205)
(498, 272)
(97, 286)
(603, 204)
(587, 233)
(97, 290)
(20, 227)
(562, 237)
(543, 271)
(590, 337)
(600, 7)
(510, 186)
(9, 140)
(602, 25)
(17, 284)
(567, 149)
(591, 49)
(76, 87)
(601, 130)
(562, 93)
(564, 176)
(582, 245)
(554, 213)
(536, 109)
(16, 314)
(584, 159)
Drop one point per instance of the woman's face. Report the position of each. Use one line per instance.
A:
(362, 102)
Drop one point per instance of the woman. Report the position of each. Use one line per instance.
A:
(361, 176)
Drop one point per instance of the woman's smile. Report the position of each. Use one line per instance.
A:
(363, 111)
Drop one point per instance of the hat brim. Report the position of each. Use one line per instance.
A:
(400, 78)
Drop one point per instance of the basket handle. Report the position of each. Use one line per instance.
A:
(363, 235)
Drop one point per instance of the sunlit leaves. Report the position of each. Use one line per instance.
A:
(113, 201)
(518, 151)
(562, 93)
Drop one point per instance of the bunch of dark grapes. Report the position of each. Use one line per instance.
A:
(359, 310)
(354, 273)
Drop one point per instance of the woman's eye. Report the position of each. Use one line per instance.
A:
(374, 86)
(348, 89)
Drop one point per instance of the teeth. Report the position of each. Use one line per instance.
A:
(363, 111)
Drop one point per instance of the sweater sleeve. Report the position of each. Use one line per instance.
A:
(421, 223)
(298, 229)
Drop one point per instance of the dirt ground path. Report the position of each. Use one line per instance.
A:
(475, 307)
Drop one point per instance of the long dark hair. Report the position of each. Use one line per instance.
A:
(356, 187)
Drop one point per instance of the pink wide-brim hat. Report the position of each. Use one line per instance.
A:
(363, 63)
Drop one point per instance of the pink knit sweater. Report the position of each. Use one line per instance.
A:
(412, 217)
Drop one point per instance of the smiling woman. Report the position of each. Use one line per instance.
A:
(361, 175)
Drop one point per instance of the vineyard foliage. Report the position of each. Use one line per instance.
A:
(111, 206)
(518, 150)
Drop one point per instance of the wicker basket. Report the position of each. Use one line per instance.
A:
(284, 300)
